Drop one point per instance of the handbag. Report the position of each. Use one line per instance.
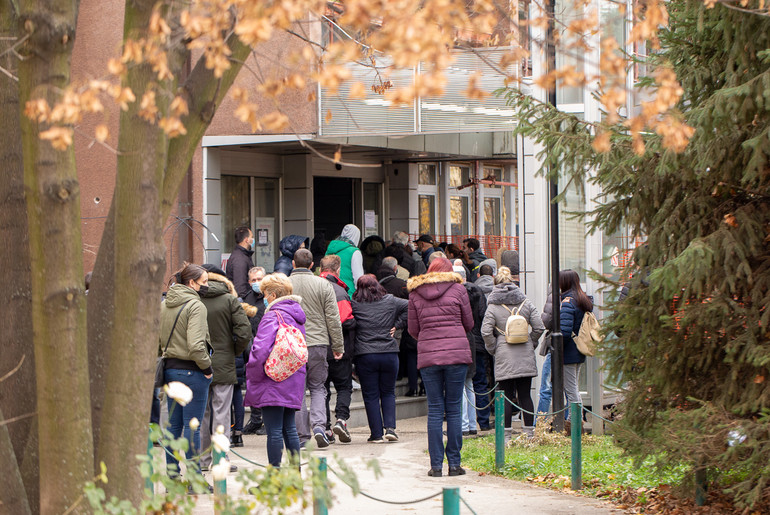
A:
(289, 353)
(160, 366)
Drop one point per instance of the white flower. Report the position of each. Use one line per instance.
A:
(220, 442)
(220, 429)
(194, 423)
(220, 470)
(180, 392)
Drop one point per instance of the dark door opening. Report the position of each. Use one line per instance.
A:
(333, 205)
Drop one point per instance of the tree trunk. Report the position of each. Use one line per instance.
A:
(18, 391)
(56, 263)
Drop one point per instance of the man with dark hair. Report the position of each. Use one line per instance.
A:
(322, 328)
(340, 370)
(239, 263)
(486, 279)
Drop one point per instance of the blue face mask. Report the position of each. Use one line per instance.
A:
(255, 287)
(266, 303)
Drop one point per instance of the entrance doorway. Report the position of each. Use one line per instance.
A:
(333, 205)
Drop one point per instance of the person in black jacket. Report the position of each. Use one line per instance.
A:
(372, 252)
(340, 370)
(239, 263)
(378, 315)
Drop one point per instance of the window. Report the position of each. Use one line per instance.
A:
(458, 212)
(236, 208)
(459, 176)
(427, 206)
(493, 173)
(567, 54)
(372, 209)
(572, 232)
(427, 174)
(492, 216)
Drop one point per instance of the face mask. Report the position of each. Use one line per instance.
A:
(255, 287)
(266, 302)
(251, 245)
(203, 290)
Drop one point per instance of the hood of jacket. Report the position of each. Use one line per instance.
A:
(334, 279)
(351, 234)
(289, 304)
(178, 294)
(486, 283)
(491, 262)
(507, 293)
(219, 285)
(372, 245)
(290, 244)
(383, 272)
(432, 285)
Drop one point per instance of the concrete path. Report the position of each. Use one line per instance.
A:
(404, 465)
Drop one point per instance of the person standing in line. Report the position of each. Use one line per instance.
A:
(288, 247)
(256, 299)
(378, 315)
(279, 401)
(574, 305)
(515, 363)
(184, 335)
(472, 247)
(426, 246)
(351, 259)
(230, 333)
(323, 328)
(240, 262)
(340, 370)
(440, 317)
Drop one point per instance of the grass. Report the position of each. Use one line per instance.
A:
(546, 460)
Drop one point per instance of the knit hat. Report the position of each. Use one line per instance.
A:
(510, 258)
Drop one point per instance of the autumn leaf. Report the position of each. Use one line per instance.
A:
(60, 137)
(101, 133)
(730, 220)
(759, 379)
(601, 142)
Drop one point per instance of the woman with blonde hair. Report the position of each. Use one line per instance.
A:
(279, 400)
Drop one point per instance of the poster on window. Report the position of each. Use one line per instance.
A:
(264, 250)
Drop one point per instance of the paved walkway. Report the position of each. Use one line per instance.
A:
(404, 467)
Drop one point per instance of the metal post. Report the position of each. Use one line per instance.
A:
(451, 500)
(700, 486)
(576, 413)
(499, 430)
(148, 484)
(220, 485)
(557, 342)
(319, 502)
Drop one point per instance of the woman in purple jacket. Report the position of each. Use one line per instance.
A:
(279, 401)
(439, 318)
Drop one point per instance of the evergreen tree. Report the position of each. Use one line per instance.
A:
(693, 336)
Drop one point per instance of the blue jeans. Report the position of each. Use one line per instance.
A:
(469, 409)
(179, 416)
(377, 374)
(481, 386)
(281, 428)
(444, 387)
(546, 390)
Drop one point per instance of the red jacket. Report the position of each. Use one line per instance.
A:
(439, 318)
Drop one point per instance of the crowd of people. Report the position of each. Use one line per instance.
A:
(369, 312)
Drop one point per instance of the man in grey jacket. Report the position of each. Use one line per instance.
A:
(322, 328)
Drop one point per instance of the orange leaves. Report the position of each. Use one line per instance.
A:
(730, 220)
(474, 92)
(147, 108)
(60, 137)
(172, 126)
(246, 111)
(101, 133)
(331, 76)
(601, 142)
(275, 121)
(565, 76)
(650, 14)
(759, 379)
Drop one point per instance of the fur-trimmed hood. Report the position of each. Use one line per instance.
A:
(295, 298)
(248, 308)
(434, 284)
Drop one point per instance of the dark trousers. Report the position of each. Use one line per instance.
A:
(238, 411)
(377, 374)
(518, 390)
(341, 375)
(481, 386)
(281, 428)
(409, 367)
(155, 411)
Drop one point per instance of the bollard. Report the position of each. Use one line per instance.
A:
(148, 484)
(700, 486)
(576, 413)
(319, 503)
(220, 485)
(499, 430)
(451, 500)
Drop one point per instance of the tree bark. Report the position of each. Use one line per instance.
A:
(17, 395)
(56, 263)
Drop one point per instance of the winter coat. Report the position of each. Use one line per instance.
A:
(190, 345)
(260, 389)
(479, 307)
(491, 262)
(547, 318)
(254, 305)
(426, 255)
(238, 265)
(391, 283)
(571, 317)
(486, 283)
(374, 320)
(229, 328)
(288, 246)
(319, 303)
(372, 251)
(346, 247)
(512, 360)
(318, 248)
(439, 318)
(346, 313)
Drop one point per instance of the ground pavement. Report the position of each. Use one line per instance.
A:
(404, 465)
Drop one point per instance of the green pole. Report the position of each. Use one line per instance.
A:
(319, 501)
(220, 485)
(499, 430)
(700, 486)
(576, 413)
(148, 484)
(451, 500)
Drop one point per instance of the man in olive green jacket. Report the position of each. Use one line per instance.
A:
(230, 332)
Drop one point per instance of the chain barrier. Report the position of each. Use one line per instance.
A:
(472, 403)
(565, 408)
(468, 505)
(598, 416)
(247, 460)
(493, 390)
(369, 496)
